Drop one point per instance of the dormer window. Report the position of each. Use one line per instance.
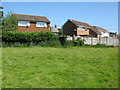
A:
(41, 24)
(24, 23)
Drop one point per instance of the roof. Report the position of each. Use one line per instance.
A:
(78, 23)
(31, 18)
(101, 29)
(54, 29)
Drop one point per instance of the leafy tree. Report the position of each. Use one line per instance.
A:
(10, 22)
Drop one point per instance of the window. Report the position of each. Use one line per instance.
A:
(41, 24)
(23, 23)
(80, 28)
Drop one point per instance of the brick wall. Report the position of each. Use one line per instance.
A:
(33, 28)
(69, 29)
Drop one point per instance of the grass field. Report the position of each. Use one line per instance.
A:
(45, 67)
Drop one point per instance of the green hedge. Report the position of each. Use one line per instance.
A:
(29, 38)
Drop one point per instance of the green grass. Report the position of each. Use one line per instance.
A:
(46, 67)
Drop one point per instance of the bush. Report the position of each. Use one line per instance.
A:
(62, 40)
(50, 43)
(78, 42)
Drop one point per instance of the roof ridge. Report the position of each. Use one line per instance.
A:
(28, 15)
(79, 21)
(31, 17)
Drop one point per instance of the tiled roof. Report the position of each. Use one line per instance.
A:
(78, 23)
(100, 29)
(31, 18)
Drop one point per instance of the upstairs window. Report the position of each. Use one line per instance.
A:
(41, 24)
(23, 23)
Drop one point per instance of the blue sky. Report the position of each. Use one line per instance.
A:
(103, 14)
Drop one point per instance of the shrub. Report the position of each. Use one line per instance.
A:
(69, 43)
(51, 43)
(62, 39)
(78, 42)
(29, 38)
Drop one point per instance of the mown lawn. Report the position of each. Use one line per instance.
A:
(45, 67)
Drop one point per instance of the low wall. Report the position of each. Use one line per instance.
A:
(94, 41)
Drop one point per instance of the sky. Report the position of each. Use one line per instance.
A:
(102, 14)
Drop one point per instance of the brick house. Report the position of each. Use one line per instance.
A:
(30, 23)
(77, 28)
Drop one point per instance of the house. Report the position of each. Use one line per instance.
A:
(77, 28)
(104, 32)
(55, 30)
(30, 23)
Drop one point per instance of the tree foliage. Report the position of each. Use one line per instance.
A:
(10, 22)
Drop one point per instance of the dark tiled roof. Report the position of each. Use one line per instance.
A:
(31, 18)
(100, 29)
(78, 23)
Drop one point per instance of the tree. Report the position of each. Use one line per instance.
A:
(10, 22)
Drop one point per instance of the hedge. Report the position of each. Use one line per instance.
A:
(28, 38)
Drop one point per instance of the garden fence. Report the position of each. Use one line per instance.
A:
(94, 41)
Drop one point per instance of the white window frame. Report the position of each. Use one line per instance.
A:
(20, 23)
(41, 24)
